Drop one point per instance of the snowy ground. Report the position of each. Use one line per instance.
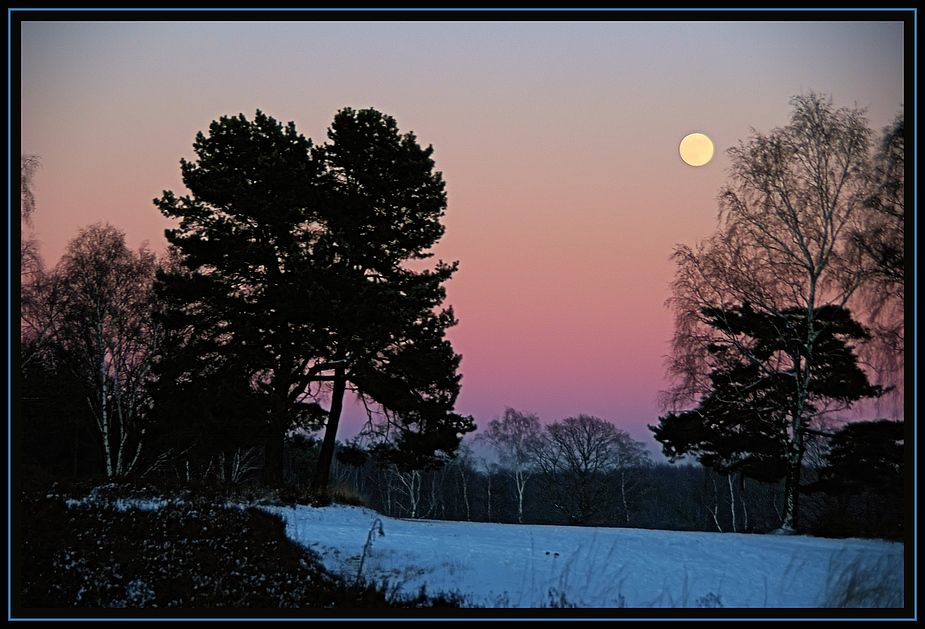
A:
(524, 566)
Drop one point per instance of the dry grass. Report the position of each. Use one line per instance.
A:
(859, 584)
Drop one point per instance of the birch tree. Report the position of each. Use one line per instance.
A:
(28, 254)
(34, 287)
(108, 336)
(783, 251)
(515, 438)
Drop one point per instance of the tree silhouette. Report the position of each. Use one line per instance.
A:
(515, 438)
(579, 458)
(242, 249)
(864, 465)
(384, 326)
(291, 264)
(880, 240)
(742, 425)
(784, 246)
(107, 338)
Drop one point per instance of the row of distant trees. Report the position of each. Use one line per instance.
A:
(586, 464)
(585, 471)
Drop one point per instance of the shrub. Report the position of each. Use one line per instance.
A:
(345, 495)
(131, 546)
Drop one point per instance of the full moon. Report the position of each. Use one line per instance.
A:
(696, 149)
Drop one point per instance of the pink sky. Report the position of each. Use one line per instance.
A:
(558, 142)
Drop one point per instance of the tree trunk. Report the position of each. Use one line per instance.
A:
(273, 458)
(626, 506)
(795, 451)
(326, 456)
(792, 491)
(488, 475)
(744, 504)
(732, 502)
(520, 482)
(76, 449)
(465, 493)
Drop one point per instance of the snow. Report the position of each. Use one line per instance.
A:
(528, 566)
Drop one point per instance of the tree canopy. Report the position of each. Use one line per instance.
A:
(291, 264)
(741, 425)
(576, 457)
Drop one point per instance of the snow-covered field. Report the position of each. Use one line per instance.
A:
(528, 566)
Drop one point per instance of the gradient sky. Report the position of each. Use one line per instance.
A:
(558, 142)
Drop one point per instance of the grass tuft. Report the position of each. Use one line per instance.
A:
(857, 584)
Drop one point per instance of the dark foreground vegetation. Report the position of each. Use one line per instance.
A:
(133, 546)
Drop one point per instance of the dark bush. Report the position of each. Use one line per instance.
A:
(130, 547)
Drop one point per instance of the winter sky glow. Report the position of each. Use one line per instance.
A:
(558, 141)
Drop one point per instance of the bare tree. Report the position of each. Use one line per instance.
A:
(408, 483)
(579, 458)
(630, 474)
(108, 337)
(41, 303)
(29, 261)
(880, 240)
(515, 438)
(784, 251)
(464, 465)
(32, 285)
(29, 165)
